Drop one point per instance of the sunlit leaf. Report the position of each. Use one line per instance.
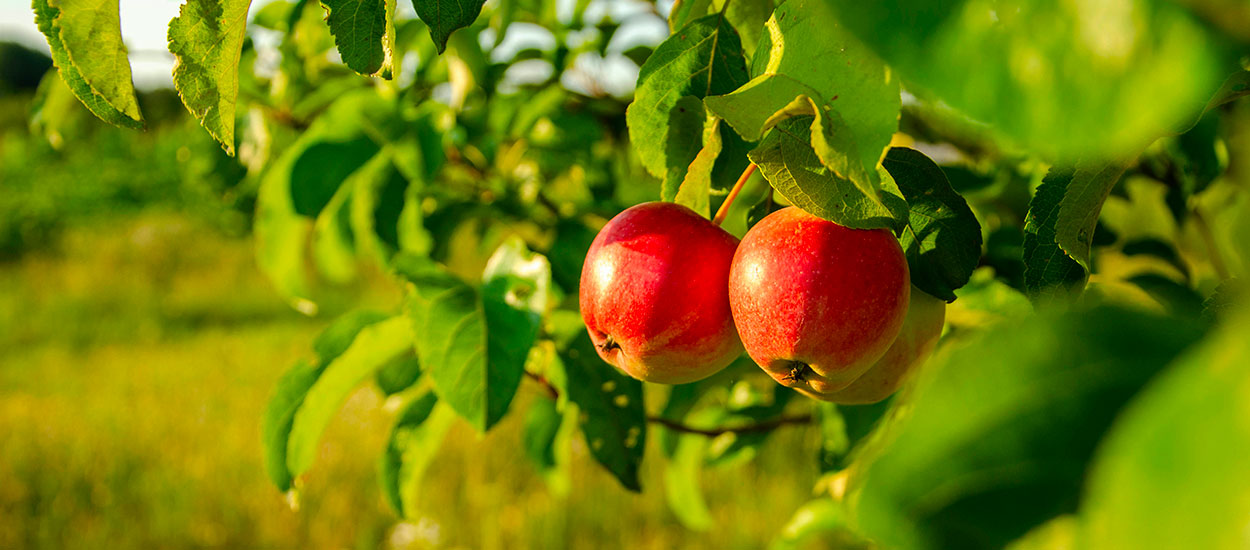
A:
(206, 39)
(336, 338)
(806, 51)
(86, 45)
(697, 184)
(786, 159)
(333, 246)
(415, 439)
(373, 347)
(1084, 194)
(443, 17)
(823, 520)
(666, 118)
(746, 16)
(275, 424)
(997, 434)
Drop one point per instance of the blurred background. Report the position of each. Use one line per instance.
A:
(144, 325)
(139, 344)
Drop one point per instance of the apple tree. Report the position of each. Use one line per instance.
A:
(1051, 198)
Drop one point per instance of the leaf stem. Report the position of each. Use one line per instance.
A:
(723, 211)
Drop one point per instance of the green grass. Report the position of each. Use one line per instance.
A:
(135, 361)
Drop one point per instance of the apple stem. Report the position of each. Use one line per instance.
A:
(723, 211)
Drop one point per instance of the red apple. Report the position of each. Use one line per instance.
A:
(816, 303)
(921, 329)
(654, 297)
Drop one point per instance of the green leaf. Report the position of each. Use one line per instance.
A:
(987, 300)
(86, 44)
(474, 344)
(757, 106)
(998, 432)
(542, 424)
(683, 470)
(398, 375)
(746, 16)
(275, 424)
(415, 439)
(666, 117)
(761, 209)
(823, 520)
(519, 278)
(1172, 473)
(445, 16)
(1042, 76)
(843, 429)
(696, 187)
(206, 39)
(787, 161)
(1178, 299)
(1235, 86)
(333, 248)
(612, 418)
(337, 337)
(373, 347)
(55, 112)
(943, 238)
(1049, 273)
(360, 31)
(300, 183)
(1083, 197)
(807, 51)
(1224, 299)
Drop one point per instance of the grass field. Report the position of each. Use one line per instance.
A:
(137, 356)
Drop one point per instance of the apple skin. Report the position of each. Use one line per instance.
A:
(816, 303)
(920, 333)
(653, 294)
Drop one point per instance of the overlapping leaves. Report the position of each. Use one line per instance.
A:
(666, 117)
(474, 342)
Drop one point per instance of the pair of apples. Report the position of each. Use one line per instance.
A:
(670, 297)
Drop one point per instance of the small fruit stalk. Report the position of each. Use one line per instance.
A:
(920, 333)
(817, 304)
(653, 294)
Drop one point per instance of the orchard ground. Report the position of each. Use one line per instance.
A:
(133, 369)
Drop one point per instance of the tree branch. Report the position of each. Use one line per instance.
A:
(767, 425)
(763, 426)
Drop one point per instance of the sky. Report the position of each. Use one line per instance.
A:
(144, 23)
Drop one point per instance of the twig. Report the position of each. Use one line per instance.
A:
(542, 381)
(764, 426)
(677, 426)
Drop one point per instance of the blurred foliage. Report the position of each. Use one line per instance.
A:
(1084, 159)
